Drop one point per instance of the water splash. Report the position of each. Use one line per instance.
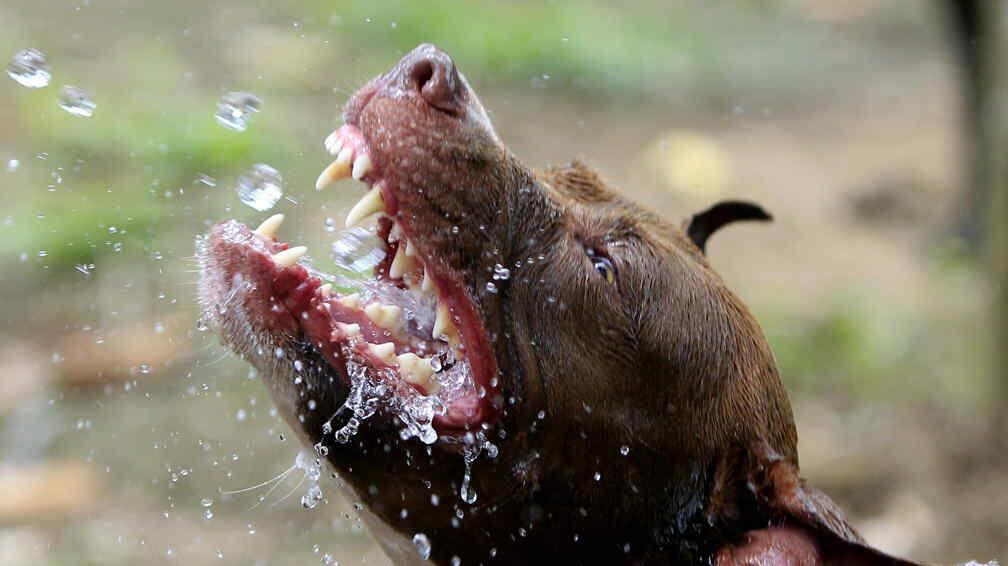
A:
(261, 187)
(358, 249)
(29, 68)
(235, 109)
(312, 497)
(76, 102)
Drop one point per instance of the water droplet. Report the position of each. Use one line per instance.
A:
(207, 180)
(260, 188)
(235, 109)
(624, 450)
(311, 499)
(501, 273)
(240, 415)
(28, 67)
(207, 515)
(597, 476)
(12, 165)
(467, 493)
(76, 102)
(490, 287)
(206, 501)
(422, 545)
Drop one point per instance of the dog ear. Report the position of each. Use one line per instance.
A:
(705, 223)
(808, 521)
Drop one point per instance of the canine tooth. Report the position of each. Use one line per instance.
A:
(415, 369)
(290, 256)
(326, 290)
(269, 227)
(348, 330)
(334, 172)
(384, 351)
(401, 263)
(371, 203)
(352, 300)
(410, 249)
(395, 233)
(443, 325)
(428, 284)
(361, 166)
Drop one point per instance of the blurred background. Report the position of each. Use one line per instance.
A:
(856, 123)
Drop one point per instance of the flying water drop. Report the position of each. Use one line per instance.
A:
(29, 68)
(261, 187)
(76, 102)
(235, 109)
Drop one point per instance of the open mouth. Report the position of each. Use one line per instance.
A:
(411, 331)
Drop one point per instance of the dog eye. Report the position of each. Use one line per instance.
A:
(603, 266)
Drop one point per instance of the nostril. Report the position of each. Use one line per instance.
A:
(422, 73)
(431, 73)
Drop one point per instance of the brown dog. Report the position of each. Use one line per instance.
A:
(548, 372)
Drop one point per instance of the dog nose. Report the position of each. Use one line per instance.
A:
(432, 73)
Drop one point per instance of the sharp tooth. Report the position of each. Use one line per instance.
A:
(401, 263)
(334, 172)
(348, 330)
(352, 300)
(443, 325)
(344, 155)
(410, 250)
(395, 233)
(326, 290)
(361, 166)
(386, 351)
(370, 204)
(269, 227)
(415, 369)
(428, 284)
(290, 256)
(334, 143)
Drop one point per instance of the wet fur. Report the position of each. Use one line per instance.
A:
(665, 363)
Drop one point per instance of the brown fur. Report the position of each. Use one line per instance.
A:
(664, 365)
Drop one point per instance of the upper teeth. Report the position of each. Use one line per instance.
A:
(361, 166)
(335, 171)
(334, 142)
(444, 326)
(402, 263)
(338, 169)
(369, 204)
